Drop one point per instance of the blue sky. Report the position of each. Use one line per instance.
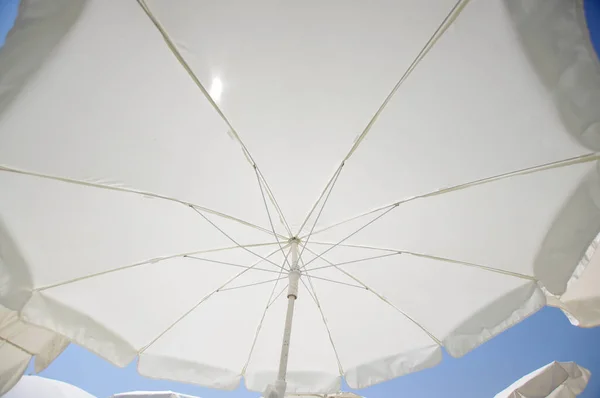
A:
(8, 10)
(542, 338)
(592, 11)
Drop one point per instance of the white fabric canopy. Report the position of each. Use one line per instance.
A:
(581, 301)
(433, 162)
(35, 386)
(151, 394)
(19, 342)
(555, 380)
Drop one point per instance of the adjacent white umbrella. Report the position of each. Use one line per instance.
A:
(35, 386)
(188, 182)
(581, 300)
(151, 394)
(555, 380)
(19, 342)
(334, 395)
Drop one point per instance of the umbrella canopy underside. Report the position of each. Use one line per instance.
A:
(435, 160)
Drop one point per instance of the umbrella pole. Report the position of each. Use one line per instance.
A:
(278, 390)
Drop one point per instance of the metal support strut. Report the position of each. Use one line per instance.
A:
(278, 389)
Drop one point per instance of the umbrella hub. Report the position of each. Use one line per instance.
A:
(294, 239)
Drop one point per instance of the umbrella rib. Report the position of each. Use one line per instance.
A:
(590, 157)
(251, 284)
(351, 235)
(316, 300)
(136, 192)
(239, 265)
(278, 295)
(431, 257)
(331, 184)
(231, 264)
(337, 224)
(270, 301)
(338, 282)
(473, 265)
(435, 339)
(269, 216)
(177, 54)
(233, 240)
(355, 246)
(10, 343)
(364, 286)
(271, 196)
(353, 261)
(313, 208)
(387, 302)
(308, 290)
(202, 300)
(441, 29)
(150, 261)
(439, 32)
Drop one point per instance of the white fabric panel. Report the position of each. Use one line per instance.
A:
(13, 365)
(35, 386)
(555, 380)
(40, 28)
(388, 344)
(152, 129)
(307, 90)
(570, 70)
(460, 117)
(536, 224)
(463, 314)
(183, 282)
(51, 351)
(148, 229)
(222, 329)
(581, 301)
(118, 141)
(19, 342)
(29, 338)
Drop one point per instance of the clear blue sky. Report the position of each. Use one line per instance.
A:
(542, 338)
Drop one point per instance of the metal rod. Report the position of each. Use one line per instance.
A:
(294, 277)
(287, 333)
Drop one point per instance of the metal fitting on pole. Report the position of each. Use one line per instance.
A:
(294, 279)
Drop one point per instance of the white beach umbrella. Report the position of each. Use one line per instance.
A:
(555, 380)
(151, 394)
(186, 182)
(35, 386)
(19, 343)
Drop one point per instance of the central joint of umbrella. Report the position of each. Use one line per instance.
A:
(277, 390)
